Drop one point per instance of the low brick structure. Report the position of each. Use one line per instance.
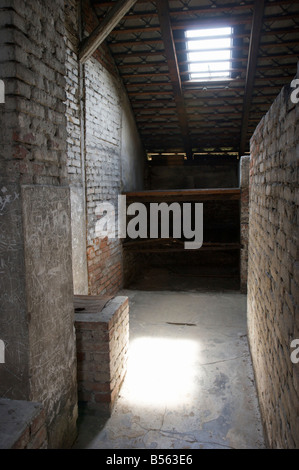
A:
(102, 351)
(22, 425)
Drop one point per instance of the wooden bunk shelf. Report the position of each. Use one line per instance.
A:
(221, 216)
(181, 195)
(168, 245)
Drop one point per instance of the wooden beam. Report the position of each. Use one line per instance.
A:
(174, 73)
(191, 10)
(256, 28)
(139, 42)
(100, 33)
(213, 8)
(168, 245)
(207, 23)
(229, 194)
(182, 25)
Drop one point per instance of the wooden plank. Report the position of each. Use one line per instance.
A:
(100, 33)
(184, 195)
(139, 42)
(90, 303)
(184, 192)
(257, 23)
(173, 245)
(174, 73)
(199, 10)
(208, 23)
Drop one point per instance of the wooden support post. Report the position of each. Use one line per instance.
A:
(174, 73)
(256, 28)
(100, 33)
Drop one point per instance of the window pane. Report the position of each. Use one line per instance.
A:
(209, 44)
(197, 33)
(207, 56)
(216, 66)
(211, 58)
(208, 76)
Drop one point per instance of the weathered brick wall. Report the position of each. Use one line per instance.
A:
(111, 149)
(36, 321)
(75, 144)
(102, 352)
(273, 270)
(103, 174)
(244, 221)
(73, 93)
(32, 67)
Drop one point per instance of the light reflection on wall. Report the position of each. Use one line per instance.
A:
(161, 371)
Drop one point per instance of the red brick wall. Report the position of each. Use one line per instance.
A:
(104, 258)
(23, 425)
(35, 434)
(102, 352)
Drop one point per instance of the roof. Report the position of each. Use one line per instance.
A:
(175, 114)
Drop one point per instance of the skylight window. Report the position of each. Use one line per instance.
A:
(209, 53)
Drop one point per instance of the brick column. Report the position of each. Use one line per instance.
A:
(37, 315)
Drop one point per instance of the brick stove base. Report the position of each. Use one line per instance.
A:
(22, 425)
(102, 335)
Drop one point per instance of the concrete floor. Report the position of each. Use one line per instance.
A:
(189, 383)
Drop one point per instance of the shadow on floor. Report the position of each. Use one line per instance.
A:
(89, 424)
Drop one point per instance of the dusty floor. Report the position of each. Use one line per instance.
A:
(189, 383)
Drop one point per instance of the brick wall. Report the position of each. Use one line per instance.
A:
(273, 270)
(22, 425)
(102, 352)
(103, 174)
(76, 144)
(102, 167)
(73, 94)
(244, 221)
(36, 320)
(32, 67)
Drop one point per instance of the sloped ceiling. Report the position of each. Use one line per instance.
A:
(174, 114)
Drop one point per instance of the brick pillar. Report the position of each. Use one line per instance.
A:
(37, 314)
(244, 215)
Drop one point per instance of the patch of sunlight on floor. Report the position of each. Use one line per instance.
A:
(161, 371)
